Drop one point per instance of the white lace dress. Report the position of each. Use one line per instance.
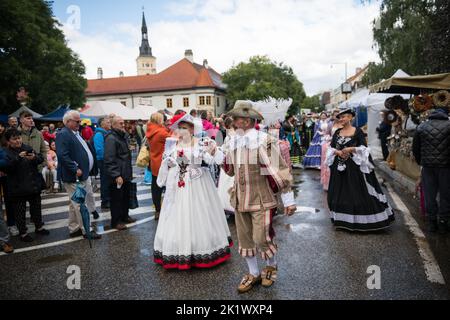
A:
(192, 230)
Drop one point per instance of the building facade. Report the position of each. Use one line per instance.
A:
(185, 85)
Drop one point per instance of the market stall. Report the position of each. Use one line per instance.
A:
(58, 114)
(106, 108)
(25, 108)
(406, 114)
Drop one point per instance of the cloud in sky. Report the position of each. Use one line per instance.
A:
(308, 35)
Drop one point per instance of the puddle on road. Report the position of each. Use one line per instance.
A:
(307, 210)
(145, 253)
(55, 258)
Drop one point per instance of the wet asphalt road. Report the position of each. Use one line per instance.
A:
(315, 261)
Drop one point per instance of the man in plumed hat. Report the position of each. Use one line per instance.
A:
(260, 173)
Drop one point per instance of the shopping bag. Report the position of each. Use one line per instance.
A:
(134, 204)
(143, 158)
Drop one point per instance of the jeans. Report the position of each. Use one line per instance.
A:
(436, 181)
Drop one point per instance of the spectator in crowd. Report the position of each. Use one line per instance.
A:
(140, 133)
(86, 132)
(118, 169)
(32, 137)
(22, 165)
(431, 148)
(384, 131)
(99, 144)
(4, 234)
(47, 135)
(75, 161)
(2, 135)
(157, 134)
(51, 128)
(52, 164)
(11, 221)
(193, 113)
(12, 122)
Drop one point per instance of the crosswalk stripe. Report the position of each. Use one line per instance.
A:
(66, 241)
(65, 207)
(104, 216)
(64, 196)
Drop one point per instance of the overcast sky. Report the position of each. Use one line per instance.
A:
(308, 35)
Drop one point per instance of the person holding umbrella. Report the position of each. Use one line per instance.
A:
(75, 161)
(118, 169)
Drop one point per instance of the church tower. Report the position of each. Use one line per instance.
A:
(146, 62)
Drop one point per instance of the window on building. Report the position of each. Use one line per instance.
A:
(124, 103)
(202, 100)
(218, 102)
(208, 100)
(185, 102)
(169, 103)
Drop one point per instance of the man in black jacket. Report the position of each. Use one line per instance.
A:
(118, 169)
(431, 148)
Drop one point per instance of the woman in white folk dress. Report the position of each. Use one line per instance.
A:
(192, 230)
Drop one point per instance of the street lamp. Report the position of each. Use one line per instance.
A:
(344, 86)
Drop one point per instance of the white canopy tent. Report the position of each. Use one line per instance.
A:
(145, 111)
(105, 108)
(375, 105)
(25, 108)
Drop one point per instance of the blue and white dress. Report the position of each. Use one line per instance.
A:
(312, 159)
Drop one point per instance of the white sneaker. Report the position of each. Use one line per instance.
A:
(56, 186)
(13, 231)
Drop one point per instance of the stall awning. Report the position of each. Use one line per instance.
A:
(24, 108)
(414, 85)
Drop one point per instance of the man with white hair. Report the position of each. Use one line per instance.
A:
(75, 161)
(118, 169)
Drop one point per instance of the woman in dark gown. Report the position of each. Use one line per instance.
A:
(355, 198)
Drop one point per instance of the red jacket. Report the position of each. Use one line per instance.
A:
(48, 136)
(156, 139)
(87, 133)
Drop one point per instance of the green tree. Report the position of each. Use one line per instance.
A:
(413, 35)
(437, 49)
(313, 103)
(34, 55)
(260, 78)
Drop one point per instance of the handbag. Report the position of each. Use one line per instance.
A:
(134, 204)
(143, 159)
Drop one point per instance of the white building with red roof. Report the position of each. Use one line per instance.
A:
(185, 85)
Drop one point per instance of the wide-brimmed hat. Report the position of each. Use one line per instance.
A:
(176, 120)
(346, 111)
(245, 109)
(441, 99)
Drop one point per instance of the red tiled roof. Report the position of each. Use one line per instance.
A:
(181, 75)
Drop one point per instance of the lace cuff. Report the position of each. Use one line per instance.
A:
(330, 156)
(361, 158)
(288, 199)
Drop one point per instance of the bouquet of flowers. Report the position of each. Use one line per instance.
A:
(183, 163)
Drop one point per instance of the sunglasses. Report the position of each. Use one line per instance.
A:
(77, 121)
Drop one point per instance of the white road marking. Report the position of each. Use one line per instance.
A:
(104, 216)
(65, 208)
(59, 243)
(63, 196)
(432, 270)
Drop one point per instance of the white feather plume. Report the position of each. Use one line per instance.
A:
(273, 110)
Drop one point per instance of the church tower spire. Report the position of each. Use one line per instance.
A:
(146, 62)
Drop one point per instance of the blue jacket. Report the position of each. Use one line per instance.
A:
(99, 143)
(71, 157)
